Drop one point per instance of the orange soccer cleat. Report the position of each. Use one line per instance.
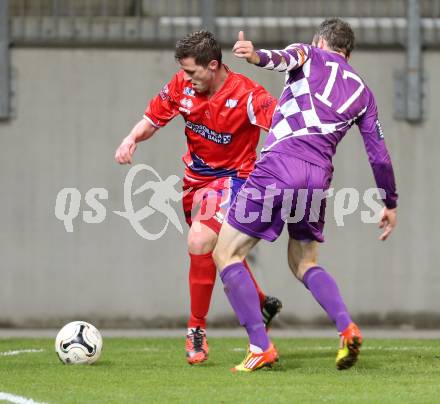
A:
(351, 341)
(196, 346)
(255, 361)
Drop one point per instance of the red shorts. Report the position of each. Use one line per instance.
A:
(208, 201)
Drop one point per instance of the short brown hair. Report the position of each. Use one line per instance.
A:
(338, 35)
(201, 45)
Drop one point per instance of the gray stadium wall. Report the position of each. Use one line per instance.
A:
(72, 107)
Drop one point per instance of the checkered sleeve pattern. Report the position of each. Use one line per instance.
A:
(292, 57)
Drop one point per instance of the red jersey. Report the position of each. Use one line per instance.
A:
(222, 131)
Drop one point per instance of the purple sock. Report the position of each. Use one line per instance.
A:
(324, 289)
(243, 297)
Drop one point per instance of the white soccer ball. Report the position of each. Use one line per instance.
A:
(78, 343)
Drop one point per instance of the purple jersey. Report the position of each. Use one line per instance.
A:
(322, 98)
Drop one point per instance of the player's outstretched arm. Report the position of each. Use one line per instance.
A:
(281, 60)
(143, 130)
(387, 222)
(245, 49)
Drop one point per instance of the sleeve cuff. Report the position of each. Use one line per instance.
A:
(147, 118)
(264, 58)
(390, 204)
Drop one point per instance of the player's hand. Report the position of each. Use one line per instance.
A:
(245, 49)
(387, 222)
(125, 151)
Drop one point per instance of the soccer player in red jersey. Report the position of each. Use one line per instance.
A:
(223, 112)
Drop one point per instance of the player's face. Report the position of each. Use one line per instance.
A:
(200, 77)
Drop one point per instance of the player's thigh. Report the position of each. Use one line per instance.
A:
(201, 238)
(307, 218)
(302, 255)
(232, 246)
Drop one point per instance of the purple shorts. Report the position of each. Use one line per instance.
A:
(282, 189)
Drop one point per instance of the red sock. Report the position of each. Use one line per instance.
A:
(202, 274)
(261, 294)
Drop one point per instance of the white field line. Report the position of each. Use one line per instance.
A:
(12, 398)
(20, 351)
(329, 348)
(366, 348)
(151, 349)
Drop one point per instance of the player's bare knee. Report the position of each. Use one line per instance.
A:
(302, 256)
(200, 242)
(293, 265)
(294, 269)
(220, 257)
(223, 256)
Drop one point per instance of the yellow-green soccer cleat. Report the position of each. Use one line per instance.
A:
(255, 361)
(351, 342)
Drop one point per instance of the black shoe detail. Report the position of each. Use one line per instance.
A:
(272, 306)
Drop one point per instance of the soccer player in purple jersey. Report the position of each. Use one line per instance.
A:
(322, 98)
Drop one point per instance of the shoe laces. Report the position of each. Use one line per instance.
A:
(197, 339)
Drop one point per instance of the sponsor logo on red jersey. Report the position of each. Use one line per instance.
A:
(164, 93)
(209, 134)
(230, 103)
(189, 92)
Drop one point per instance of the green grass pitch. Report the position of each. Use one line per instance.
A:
(154, 370)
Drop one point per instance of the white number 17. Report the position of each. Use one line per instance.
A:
(331, 82)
